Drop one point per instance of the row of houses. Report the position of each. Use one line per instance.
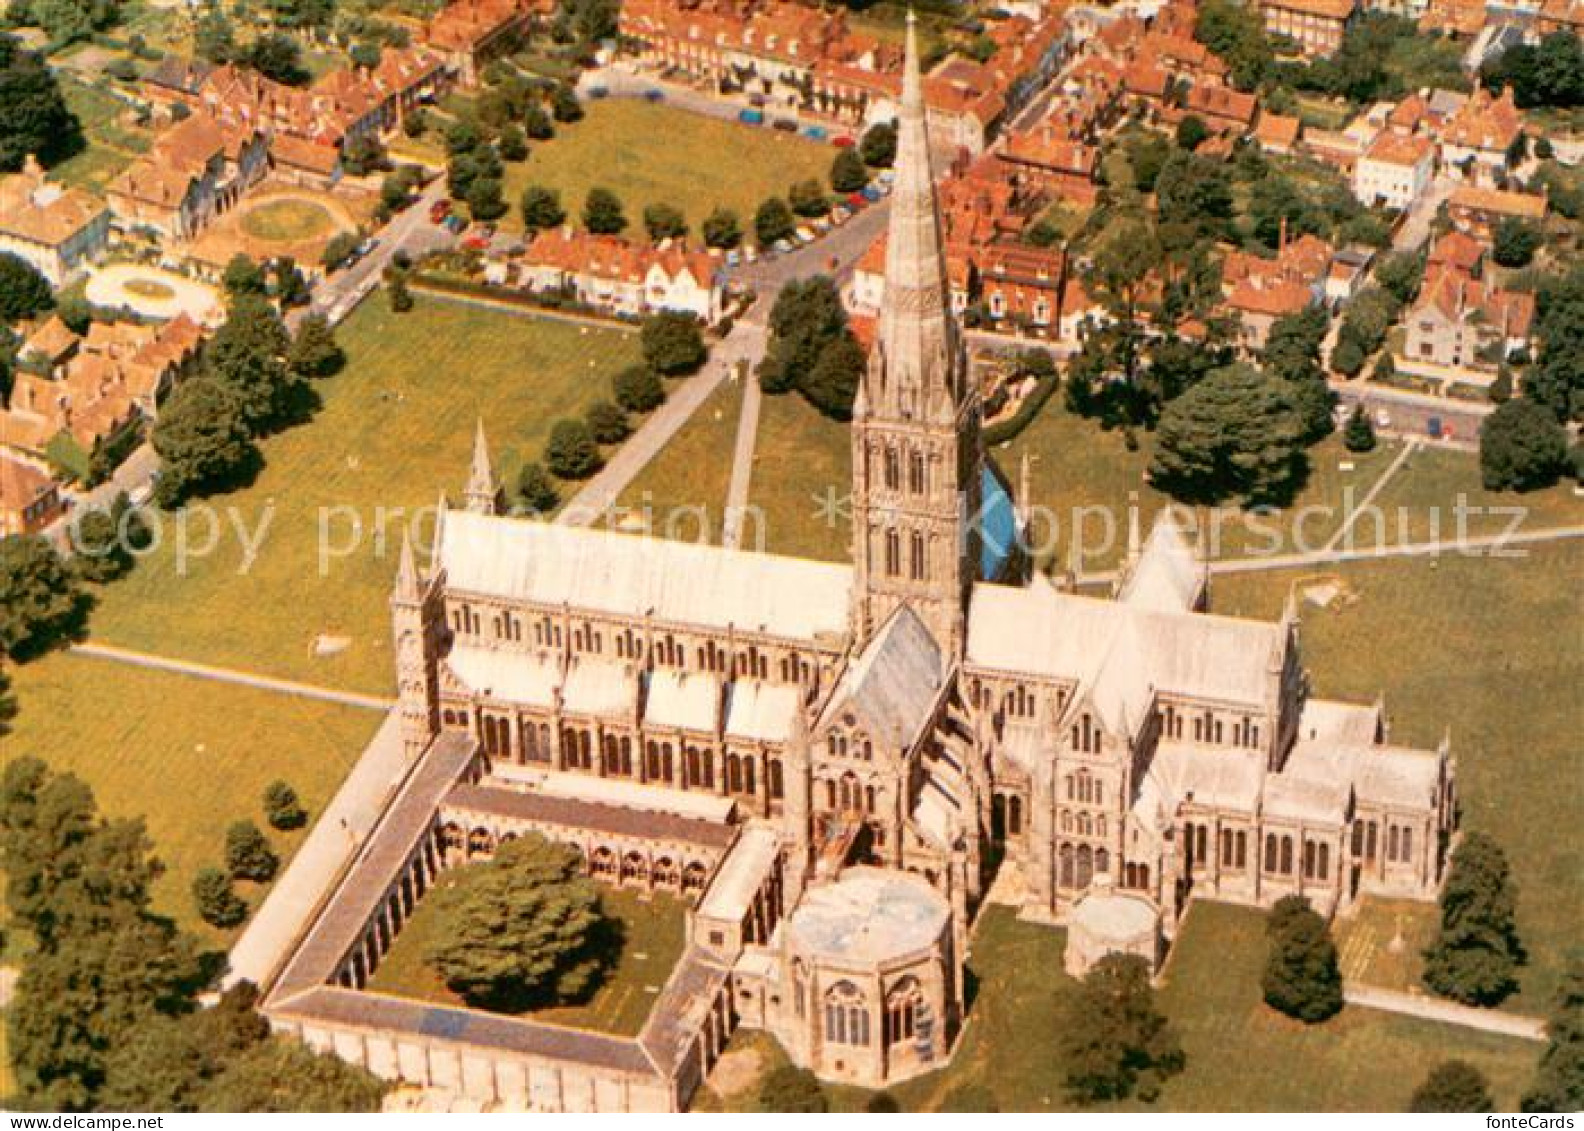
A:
(812, 64)
(617, 276)
(1402, 145)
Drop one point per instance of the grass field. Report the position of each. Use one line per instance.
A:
(1241, 1055)
(395, 430)
(189, 755)
(111, 145)
(1432, 483)
(655, 154)
(1490, 651)
(653, 938)
(802, 463)
(681, 493)
(288, 220)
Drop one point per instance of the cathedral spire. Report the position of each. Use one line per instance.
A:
(407, 588)
(483, 494)
(916, 369)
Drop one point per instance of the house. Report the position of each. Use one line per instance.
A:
(30, 499)
(1456, 251)
(1047, 159)
(1347, 274)
(1560, 15)
(1464, 321)
(1261, 292)
(1080, 313)
(56, 229)
(1480, 134)
(196, 170)
(1022, 285)
(1223, 109)
(1395, 170)
(1278, 133)
(470, 33)
(1316, 26)
(625, 278)
(1478, 210)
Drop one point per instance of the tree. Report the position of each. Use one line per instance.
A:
(1359, 435)
(878, 145)
(541, 208)
(882, 1103)
(1475, 955)
(339, 250)
(564, 104)
(572, 452)
(248, 853)
(104, 538)
(1235, 434)
(214, 39)
(277, 57)
(638, 389)
(664, 222)
(217, 902)
(1112, 1038)
(602, 212)
(1515, 242)
(773, 222)
(833, 382)
(1550, 73)
(1301, 976)
(537, 124)
(484, 199)
(512, 145)
(23, 291)
(1556, 379)
(672, 343)
(202, 440)
(282, 808)
(722, 229)
(8, 703)
(523, 928)
(1558, 1084)
(811, 348)
(34, 118)
(536, 489)
(848, 172)
(1192, 132)
(242, 276)
(1522, 447)
(808, 198)
(607, 422)
(362, 154)
(314, 351)
(1292, 354)
(1453, 1086)
(41, 601)
(282, 1075)
(788, 1088)
(396, 290)
(248, 356)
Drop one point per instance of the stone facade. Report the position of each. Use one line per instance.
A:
(827, 759)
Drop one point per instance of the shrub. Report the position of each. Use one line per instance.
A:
(572, 452)
(638, 389)
(282, 808)
(217, 902)
(248, 853)
(608, 422)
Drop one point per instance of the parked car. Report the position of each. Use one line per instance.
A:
(805, 235)
(816, 133)
(598, 91)
(856, 200)
(751, 117)
(756, 100)
(785, 125)
(843, 141)
(870, 193)
(783, 246)
(654, 94)
(455, 224)
(439, 210)
(733, 257)
(821, 225)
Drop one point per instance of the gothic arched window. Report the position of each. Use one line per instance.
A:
(893, 553)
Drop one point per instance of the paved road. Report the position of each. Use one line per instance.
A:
(1416, 226)
(1401, 412)
(742, 465)
(1446, 1012)
(232, 675)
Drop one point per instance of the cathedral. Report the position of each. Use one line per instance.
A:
(832, 763)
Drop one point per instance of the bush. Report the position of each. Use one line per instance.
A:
(1359, 436)
(281, 807)
(672, 343)
(248, 853)
(1522, 447)
(807, 198)
(848, 172)
(788, 1088)
(722, 229)
(773, 221)
(217, 902)
(1453, 1086)
(1301, 976)
(638, 389)
(536, 490)
(878, 146)
(608, 422)
(572, 452)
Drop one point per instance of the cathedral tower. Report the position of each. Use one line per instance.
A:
(915, 433)
(418, 632)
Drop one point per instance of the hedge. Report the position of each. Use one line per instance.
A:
(1008, 429)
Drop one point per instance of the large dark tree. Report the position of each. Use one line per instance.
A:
(1475, 956)
(664, 222)
(1556, 379)
(314, 351)
(1522, 447)
(602, 212)
(1558, 1084)
(277, 57)
(1550, 73)
(572, 452)
(41, 600)
(1453, 1086)
(672, 343)
(1234, 435)
(773, 222)
(638, 389)
(811, 347)
(248, 356)
(541, 208)
(248, 853)
(1292, 354)
(34, 118)
(1112, 1039)
(722, 229)
(23, 291)
(522, 929)
(202, 439)
(1301, 977)
(104, 539)
(878, 145)
(285, 1075)
(848, 173)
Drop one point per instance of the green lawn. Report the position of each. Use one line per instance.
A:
(111, 145)
(681, 493)
(1241, 1055)
(396, 430)
(653, 940)
(288, 220)
(189, 755)
(1490, 651)
(655, 154)
(1430, 485)
(802, 466)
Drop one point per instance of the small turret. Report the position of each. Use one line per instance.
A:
(483, 494)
